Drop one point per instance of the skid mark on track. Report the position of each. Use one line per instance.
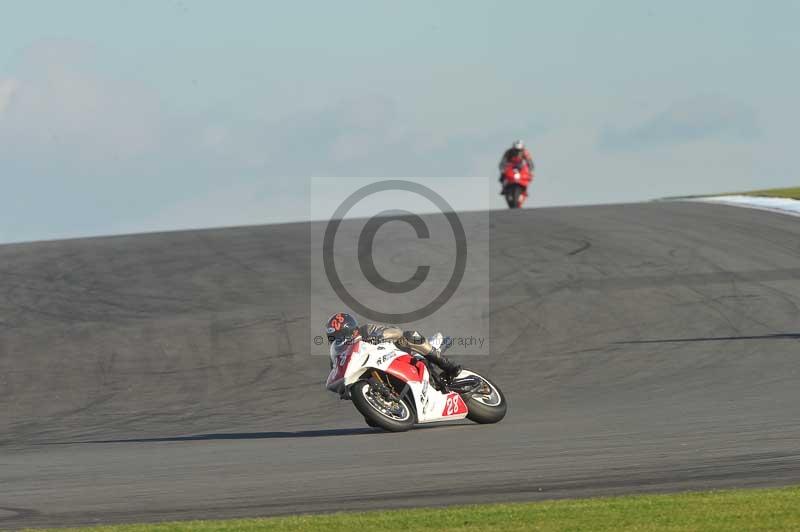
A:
(8, 513)
(689, 279)
(586, 245)
(778, 336)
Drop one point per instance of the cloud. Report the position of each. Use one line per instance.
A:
(111, 155)
(232, 205)
(7, 89)
(366, 134)
(59, 110)
(699, 118)
(62, 112)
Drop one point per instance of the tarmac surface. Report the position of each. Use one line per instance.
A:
(642, 347)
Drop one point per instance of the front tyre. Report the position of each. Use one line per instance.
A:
(512, 196)
(490, 406)
(394, 415)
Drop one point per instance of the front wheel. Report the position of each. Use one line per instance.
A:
(487, 405)
(394, 415)
(512, 196)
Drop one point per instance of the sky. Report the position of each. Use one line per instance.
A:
(148, 115)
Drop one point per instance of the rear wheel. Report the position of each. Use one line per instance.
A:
(488, 405)
(392, 414)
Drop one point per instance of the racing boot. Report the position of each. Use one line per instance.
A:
(450, 369)
(433, 353)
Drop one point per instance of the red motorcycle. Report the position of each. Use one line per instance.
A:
(516, 177)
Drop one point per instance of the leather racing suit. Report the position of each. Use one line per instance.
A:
(408, 341)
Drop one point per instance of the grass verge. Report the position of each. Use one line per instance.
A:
(746, 510)
(793, 193)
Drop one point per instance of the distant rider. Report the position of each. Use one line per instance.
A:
(342, 327)
(516, 154)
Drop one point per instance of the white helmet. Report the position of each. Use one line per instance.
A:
(518, 145)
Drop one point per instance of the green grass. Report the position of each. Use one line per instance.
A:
(793, 193)
(746, 510)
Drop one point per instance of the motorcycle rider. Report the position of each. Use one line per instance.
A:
(516, 153)
(342, 327)
(517, 149)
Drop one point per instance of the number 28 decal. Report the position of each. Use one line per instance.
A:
(451, 406)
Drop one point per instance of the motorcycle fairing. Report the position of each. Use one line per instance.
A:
(351, 363)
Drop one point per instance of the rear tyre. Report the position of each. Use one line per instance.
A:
(394, 416)
(486, 408)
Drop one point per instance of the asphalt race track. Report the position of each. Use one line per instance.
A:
(642, 347)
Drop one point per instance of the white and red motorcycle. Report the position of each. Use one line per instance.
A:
(394, 389)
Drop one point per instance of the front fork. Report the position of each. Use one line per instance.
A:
(384, 388)
(376, 383)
